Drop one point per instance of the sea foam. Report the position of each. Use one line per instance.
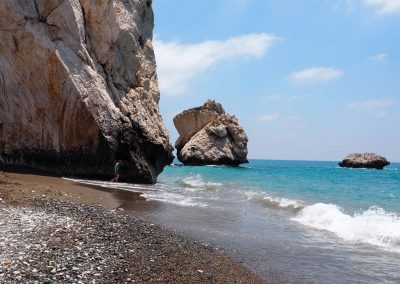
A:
(374, 226)
(274, 201)
(156, 192)
(197, 182)
(284, 202)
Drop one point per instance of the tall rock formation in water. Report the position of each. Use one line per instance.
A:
(209, 136)
(78, 88)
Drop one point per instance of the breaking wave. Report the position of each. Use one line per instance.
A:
(374, 226)
(196, 182)
(274, 201)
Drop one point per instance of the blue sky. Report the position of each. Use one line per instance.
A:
(309, 80)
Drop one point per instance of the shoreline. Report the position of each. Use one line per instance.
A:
(134, 249)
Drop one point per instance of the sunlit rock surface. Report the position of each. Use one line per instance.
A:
(365, 160)
(209, 136)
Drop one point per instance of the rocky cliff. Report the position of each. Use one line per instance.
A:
(364, 160)
(210, 136)
(78, 88)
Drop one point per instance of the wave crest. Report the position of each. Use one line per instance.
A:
(374, 226)
(283, 202)
(274, 201)
(196, 182)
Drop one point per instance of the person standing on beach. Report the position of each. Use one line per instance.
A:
(117, 170)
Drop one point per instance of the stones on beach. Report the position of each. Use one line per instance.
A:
(364, 160)
(63, 242)
(209, 136)
(79, 89)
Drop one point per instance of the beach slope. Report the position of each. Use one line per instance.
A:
(49, 235)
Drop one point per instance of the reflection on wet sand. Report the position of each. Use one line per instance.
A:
(128, 200)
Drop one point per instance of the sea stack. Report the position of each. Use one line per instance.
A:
(209, 136)
(79, 90)
(364, 160)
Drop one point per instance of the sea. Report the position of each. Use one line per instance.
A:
(299, 221)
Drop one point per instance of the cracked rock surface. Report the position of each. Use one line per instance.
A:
(79, 89)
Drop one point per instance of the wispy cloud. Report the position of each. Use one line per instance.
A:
(269, 117)
(384, 7)
(240, 2)
(296, 98)
(379, 57)
(291, 121)
(179, 63)
(295, 118)
(315, 75)
(273, 98)
(297, 121)
(371, 104)
(381, 114)
(347, 5)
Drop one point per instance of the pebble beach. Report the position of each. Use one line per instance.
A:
(48, 235)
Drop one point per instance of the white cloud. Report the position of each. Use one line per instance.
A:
(179, 63)
(379, 57)
(384, 7)
(316, 75)
(269, 117)
(371, 104)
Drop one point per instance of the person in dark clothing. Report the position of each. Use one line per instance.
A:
(117, 169)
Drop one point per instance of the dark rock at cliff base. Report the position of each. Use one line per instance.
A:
(365, 160)
(79, 90)
(209, 136)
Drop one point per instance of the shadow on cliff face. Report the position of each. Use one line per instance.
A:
(132, 149)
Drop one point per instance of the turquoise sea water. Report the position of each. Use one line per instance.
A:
(309, 221)
(311, 182)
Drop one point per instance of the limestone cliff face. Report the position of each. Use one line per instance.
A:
(78, 88)
(210, 136)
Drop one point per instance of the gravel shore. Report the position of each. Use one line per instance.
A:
(53, 241)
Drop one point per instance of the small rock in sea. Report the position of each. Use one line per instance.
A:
(364, 160)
